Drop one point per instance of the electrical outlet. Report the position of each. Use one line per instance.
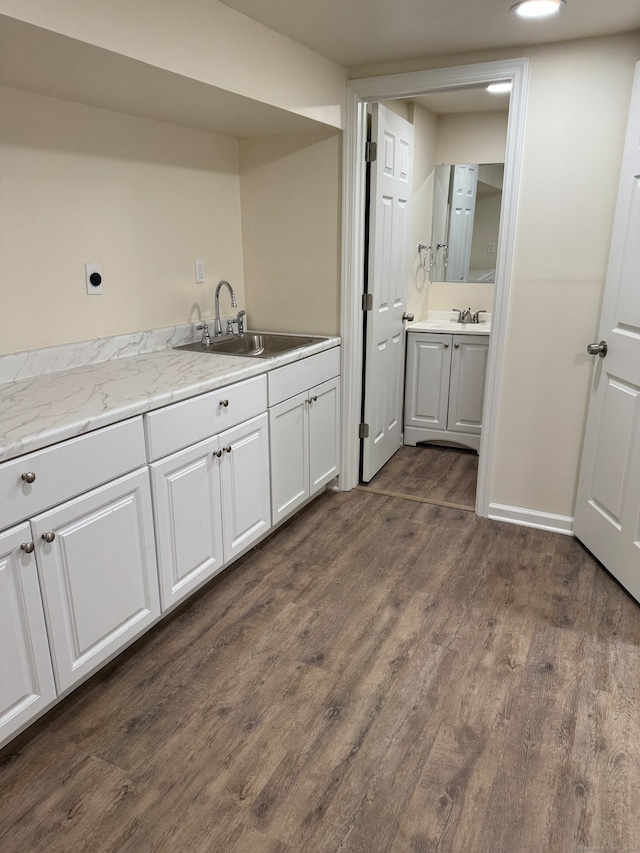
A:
(93, 276)
(200, 276)
(491, 248)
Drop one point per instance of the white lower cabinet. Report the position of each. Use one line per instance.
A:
(26, 676)
(444, 388)
(305, 446)
(98, 575)
(211, 502)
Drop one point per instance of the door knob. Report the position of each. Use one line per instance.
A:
(598, 349)
(408, 317)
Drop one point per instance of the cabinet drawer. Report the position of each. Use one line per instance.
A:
(68, 469)
(177, 426)
(292, 379)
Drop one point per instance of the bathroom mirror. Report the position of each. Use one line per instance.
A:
(466, 220)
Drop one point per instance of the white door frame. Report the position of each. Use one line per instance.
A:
(359, 93)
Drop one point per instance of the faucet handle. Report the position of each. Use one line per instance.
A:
(476, 317)
(461, 314)
(206, 340)
(240, 321)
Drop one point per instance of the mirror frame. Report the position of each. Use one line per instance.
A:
(408, 85)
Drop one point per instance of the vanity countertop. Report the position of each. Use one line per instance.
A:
(42, 410)
(445, 321)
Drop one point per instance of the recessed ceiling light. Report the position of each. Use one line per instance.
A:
(537, 8)
(499, 88)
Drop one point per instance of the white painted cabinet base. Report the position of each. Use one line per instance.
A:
(444, 388)
(98, 576)
(305, 446)
(26, 677)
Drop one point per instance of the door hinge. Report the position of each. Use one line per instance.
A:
(363, 431)
(370, 152)
(367, 301)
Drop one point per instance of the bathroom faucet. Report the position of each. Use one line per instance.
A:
(217, 326)
(464, 316)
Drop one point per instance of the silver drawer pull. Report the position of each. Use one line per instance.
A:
(29, 477)
(49, 536)
(28, 547)
(228, 448)
(456, 345)
(224, 403)
(217, 453)
(446, 346)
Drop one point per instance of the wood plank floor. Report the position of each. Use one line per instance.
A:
(445, 474)
(381, 675)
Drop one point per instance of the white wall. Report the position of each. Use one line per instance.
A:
(576, 118)
(291, 201)
(203, 40)
(142, 198)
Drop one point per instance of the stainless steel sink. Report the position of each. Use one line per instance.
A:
(253, 344)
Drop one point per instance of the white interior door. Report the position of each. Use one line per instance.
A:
(607, 517)
(391, 178)
(461, 217)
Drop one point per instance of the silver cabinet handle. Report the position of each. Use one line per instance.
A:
(224, 403)
(217, 453)
(49, 536)
(228, 448)
(598, 349)
(456, 345)
(446, 346)
(28, 547)
(29, 477)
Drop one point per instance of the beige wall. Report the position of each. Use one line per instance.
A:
(291, 200)
(140, 197)
(203, 40)
(455, 138)
(576, 117)
(425, 127)
(471, 138)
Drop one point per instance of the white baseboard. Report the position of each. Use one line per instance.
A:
(532, 518)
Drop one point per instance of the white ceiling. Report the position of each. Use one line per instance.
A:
(361, 32)
(473, 99)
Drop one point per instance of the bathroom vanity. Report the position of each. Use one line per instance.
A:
(445, 379)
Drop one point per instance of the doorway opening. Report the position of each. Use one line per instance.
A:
(407, 86)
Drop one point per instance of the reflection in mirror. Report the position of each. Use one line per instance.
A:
(466, 219)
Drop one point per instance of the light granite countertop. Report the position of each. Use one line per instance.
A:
(41, 410)
(446, 321)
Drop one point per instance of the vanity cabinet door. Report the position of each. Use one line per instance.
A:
(324, 434)
(188, 515)
(427, 380)
(246, 499)
(468, 372)
(97, 566)
(26, 676)
(289, 439)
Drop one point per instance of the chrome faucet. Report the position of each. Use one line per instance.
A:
(464, 316)
(217, 326)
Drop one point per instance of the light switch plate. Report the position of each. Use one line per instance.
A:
(200, 276)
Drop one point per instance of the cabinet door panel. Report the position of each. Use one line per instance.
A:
(188, 514)
(246, 500)
(324, 434)
(468, 370)
(26, 676)
(98, 576)
(289, 444)
(427, 382)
